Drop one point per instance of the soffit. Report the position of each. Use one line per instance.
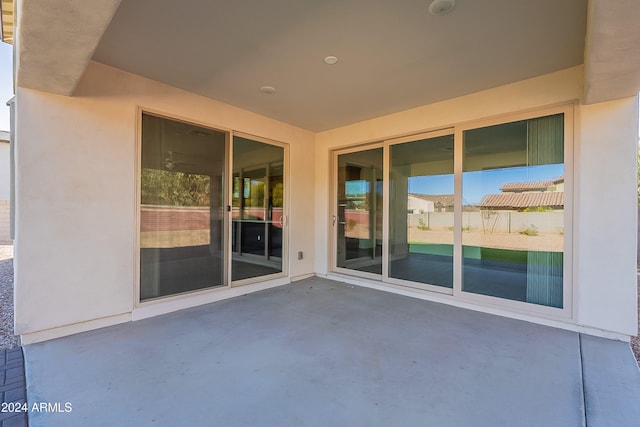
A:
(612, 53)
(56, 40)
(392, 55)
(7, 17)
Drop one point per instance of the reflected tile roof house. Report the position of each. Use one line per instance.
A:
(520, 201)
(523, 195)
(549, 185)
(278, 107)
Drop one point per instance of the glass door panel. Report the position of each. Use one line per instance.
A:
(257, 208)
(359, 211)
(181, 207)
(421, 211)
(513, 213)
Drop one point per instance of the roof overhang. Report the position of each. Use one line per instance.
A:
(7, 17)
(56, 39)
(612, 50)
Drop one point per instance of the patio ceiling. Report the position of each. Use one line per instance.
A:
(391, 56)
(6, 12)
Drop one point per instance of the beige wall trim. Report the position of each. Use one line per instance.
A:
(56, 40)
(76, 328)
(181, 302)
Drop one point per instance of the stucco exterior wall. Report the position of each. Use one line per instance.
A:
(76, 204)
(606, 215)
(605, 138)
(75, 208)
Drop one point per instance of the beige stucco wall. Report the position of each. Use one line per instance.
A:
(605, 160)
(606, 215)
(75, 210)
(75, 205)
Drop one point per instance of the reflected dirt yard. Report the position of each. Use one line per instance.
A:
(549, 242)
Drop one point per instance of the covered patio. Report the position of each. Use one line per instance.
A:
(319, 352)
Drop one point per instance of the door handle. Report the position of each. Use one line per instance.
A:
(333, 220)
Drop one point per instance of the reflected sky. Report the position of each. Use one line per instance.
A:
(479, 183)
(433, 184)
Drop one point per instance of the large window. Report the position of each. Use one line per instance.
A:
(513, 213)
(476, 211)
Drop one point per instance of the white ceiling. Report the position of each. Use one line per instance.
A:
(393, 55)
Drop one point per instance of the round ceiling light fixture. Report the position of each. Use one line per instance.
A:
(268, 90)
(441, 7)
(330, 60)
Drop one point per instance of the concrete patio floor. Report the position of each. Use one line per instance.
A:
(324, 353)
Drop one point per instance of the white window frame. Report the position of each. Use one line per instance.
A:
(566, 312)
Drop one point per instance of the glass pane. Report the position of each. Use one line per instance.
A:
(421, 211)
(257, 208)
(359, 219)
(181, 207)
(513, 213)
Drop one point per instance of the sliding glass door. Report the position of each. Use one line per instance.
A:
(476, 211)
(513, 193)
(257, 208)
(421, 205)
(204, 224)
(358, 217)
(182, 225)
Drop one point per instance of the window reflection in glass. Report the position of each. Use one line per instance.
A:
(421, 211)
(181, 212)
(359, 219)
(257, 208)
(513, 211)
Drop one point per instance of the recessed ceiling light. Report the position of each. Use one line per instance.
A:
(268, 89)
(330, 60)
(441, 7)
